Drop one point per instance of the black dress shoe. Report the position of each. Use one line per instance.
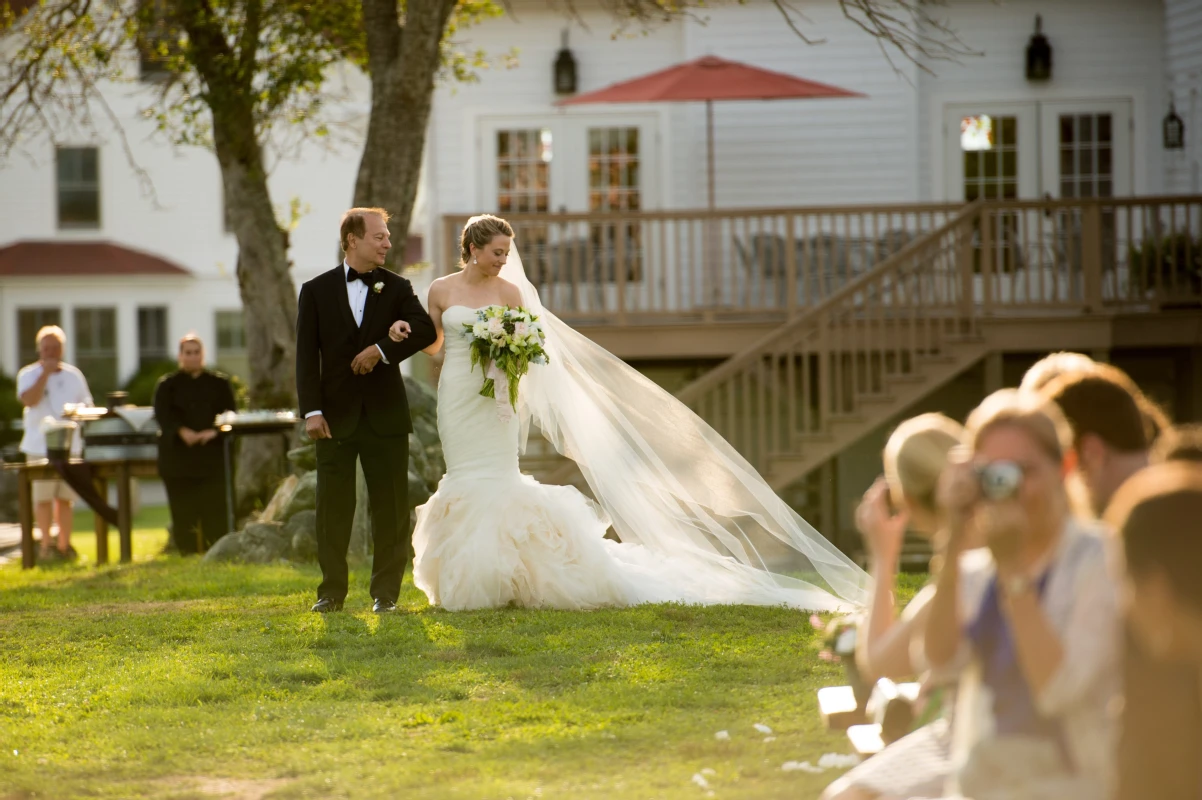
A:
(325, 605)
(383, 607)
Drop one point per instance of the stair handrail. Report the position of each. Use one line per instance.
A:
(734, 363)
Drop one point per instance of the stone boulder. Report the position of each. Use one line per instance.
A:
(303, 498)
(423, 400)
(260, 543)
(304, 457)
(301, 531)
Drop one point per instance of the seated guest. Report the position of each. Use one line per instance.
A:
(191, 462)
(1033, 615)
(1051, 367)
(914, 457)
(45, 387)
(1182, 443)
(1111, 435)
(1156, 516)
(1111, 438)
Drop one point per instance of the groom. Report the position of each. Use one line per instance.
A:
(351, 394)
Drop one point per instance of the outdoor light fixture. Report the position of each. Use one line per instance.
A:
(565, 69)
(1174, 130)
(1039, 54)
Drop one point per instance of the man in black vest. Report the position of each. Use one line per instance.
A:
(353, 399)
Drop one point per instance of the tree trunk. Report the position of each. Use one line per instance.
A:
(264, 282)
(404, 63)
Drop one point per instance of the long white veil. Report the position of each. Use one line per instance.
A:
(668, 481)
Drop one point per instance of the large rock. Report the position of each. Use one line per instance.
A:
(304, 457)
(423, 401)
(260, 543)
(301, 531)
(418, 491)
(426, 429)
(279, 500)
(303, 498)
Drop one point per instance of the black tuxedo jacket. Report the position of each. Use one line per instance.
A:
(327, 341)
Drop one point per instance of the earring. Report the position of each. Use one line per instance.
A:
(474, 261)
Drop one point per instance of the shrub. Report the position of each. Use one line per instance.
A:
(141, 386)
(1173, 263)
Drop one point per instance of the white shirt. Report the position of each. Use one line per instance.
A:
(68, 385)
(356, 294)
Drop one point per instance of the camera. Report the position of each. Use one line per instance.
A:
(1000, 480)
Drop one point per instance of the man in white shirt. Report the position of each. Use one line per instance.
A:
(44, 388)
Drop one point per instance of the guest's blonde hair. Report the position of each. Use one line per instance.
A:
(51, 330)
(1051, 367)
(915, 457)
(1040, 418)
(190, 337)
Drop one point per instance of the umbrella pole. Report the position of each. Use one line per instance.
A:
(709, 149)
(711, 244)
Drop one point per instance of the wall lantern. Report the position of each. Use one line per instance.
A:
(1174, 130)
(565, 70)
(1039, 54)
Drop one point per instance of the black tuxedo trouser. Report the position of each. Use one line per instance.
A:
(386, 469)
(198, 512)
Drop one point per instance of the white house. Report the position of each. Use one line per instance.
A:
(83, 242)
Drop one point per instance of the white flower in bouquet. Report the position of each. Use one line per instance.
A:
(506, 341)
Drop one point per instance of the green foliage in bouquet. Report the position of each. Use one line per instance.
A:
(510, 338)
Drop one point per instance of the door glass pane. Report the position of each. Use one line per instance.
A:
(523, 170)
(991, 157)
(1086, 159)
(614, 187)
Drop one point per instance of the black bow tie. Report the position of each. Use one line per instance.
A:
(353, 275)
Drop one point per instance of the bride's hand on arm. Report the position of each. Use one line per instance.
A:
(435, 302)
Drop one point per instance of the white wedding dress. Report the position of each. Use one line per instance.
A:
(691, 514)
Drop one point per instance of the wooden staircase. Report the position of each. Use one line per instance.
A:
(838, 369)
(841, 368)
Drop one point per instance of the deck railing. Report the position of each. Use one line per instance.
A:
(1025, 256)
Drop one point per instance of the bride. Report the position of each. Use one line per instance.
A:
(693, 517)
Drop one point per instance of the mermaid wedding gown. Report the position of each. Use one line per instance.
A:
(491, 536)
(697, 523)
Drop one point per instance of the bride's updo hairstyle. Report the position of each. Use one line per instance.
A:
(479, 231)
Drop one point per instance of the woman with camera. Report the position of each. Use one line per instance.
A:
(1032, 615)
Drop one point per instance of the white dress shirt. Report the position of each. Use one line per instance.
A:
(356, 295)
(68, 385)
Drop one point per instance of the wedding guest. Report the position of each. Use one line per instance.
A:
(1182, 443)
(1033, 615)
(1156, 515)
(1112, 426)
(45, 387)
(1112, 435)
(191, 461)
(915, 766)
(1052, 366)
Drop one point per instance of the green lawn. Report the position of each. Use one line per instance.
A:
(171, 678)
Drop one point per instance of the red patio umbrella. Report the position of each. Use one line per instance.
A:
(709, 79)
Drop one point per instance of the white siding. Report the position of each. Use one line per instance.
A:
(1102, 49)
(1183, 62)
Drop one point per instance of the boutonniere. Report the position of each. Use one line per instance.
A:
(378, 287)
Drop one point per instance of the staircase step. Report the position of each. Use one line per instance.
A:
(876, 398)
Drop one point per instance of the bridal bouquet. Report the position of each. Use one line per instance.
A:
(507, 341)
